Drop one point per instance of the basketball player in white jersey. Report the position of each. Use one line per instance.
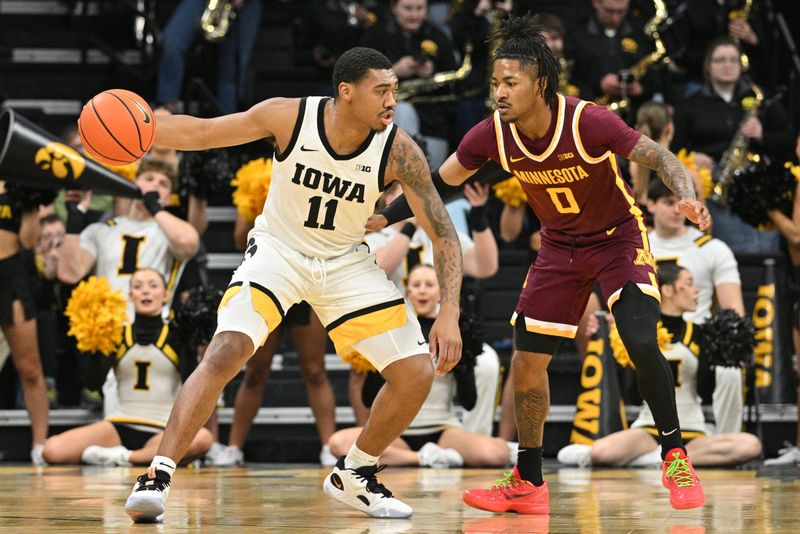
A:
(639, 445)
(147, 236)
(149, 374)
(333, 157)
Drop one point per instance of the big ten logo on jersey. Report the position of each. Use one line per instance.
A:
(363, 168)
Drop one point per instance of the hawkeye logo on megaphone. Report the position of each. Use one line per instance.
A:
(62, 161)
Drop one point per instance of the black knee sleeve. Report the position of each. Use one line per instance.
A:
(533, 341)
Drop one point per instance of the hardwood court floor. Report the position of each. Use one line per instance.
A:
(268, 498)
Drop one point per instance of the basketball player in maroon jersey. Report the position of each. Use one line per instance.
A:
(562, 150)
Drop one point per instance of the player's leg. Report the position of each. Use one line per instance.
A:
(355, 383)
(310, 341)
(251, 391)
(724, 449)
(477, 450)
(21, 336)
(197, 448)
(67, 447)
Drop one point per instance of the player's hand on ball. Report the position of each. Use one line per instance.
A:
(445, 341)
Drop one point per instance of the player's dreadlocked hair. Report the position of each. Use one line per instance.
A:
(520, 38)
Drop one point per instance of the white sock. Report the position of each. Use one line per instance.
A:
(127, 456)
(162, 463)
(357, 458)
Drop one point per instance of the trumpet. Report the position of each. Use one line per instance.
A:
(216, 19)
(410, 90)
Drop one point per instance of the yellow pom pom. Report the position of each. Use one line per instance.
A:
(510, 191)
(794, 169)
(707, 180)
(96, 314)
(621, 353)
(358, 362)
(252, 186)
(126, 171)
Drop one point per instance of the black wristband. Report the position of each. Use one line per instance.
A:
(76, 218)
(409, 229)
(152, 202)
(478, 220)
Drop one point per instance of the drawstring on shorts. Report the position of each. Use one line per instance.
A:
(319, 272)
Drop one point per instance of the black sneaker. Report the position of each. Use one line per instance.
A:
(360, 489)
(149, 496)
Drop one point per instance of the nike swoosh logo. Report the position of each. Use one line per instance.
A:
(421, 342)
(609, 232)
(304, 149)
(520, 495)
(514, 160)
(144, 112)
(668, 433)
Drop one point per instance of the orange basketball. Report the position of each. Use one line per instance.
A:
(117, 127)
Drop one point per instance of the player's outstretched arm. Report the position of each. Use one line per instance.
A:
(184, 132)
(674, 175)
(407, 165)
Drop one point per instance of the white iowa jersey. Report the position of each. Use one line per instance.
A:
(683, 358)
(122, 245)
(148, 381)
(319, 201)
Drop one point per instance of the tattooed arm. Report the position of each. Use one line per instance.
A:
(408, 166)
(674, 175)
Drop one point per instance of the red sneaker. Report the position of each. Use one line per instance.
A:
(680, 479)
(511, 494)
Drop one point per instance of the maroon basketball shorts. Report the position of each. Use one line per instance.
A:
(559, 282)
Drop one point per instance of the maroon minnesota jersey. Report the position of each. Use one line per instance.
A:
(570, 175)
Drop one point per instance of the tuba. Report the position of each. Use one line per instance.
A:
(637, 71)
(414, 90)
(216, 19)
(738, 154)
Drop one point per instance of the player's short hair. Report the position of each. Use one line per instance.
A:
(159, 166)
(668, 273)
(521, 39)
(353, 65)
(657, 190)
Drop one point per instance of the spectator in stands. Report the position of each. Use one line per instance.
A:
(789, 227)
(400, 248)
(233, 51)
(610, 43)
(698, 23)
(310, 341)
(18, 229)
(694, 378)
(149, 373)
(471, 24)
(710, 120)
(417, 50)
(333, 27)
(709, 260)
(435, 437)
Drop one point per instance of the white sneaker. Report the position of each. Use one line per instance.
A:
(576, 455)
(149, 497)
(230, 456)
(513, 452)
(326, 457)
(432, 455)
(648, 459)
(37, 458)
(213, 451)
(360, 489)
(788, 455)
(106, 456)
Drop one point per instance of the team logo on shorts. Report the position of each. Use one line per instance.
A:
(644, 257)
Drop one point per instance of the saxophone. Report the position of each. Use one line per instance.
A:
(742, 14)
(639, 69)
(738, 153)
(216, 19)
(410, 90)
